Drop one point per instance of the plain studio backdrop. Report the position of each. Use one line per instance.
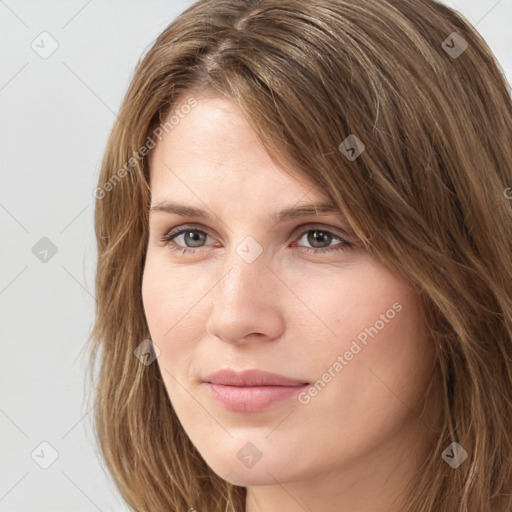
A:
(65, 66)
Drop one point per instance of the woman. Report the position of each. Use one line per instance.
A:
(304, 274)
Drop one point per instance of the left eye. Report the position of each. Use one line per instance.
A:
(319, 236)
(314, 236)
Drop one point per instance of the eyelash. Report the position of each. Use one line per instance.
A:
(168, 240)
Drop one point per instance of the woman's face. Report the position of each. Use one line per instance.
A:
(240, 289)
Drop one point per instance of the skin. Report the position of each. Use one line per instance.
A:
(356, 444)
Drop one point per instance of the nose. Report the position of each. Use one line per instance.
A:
(246, 302)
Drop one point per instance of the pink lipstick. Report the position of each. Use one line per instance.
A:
(251, 390)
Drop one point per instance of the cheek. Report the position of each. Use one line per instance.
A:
(175, 315)
(156, 298)
(354, 302)
(374, 336)
(167, 295)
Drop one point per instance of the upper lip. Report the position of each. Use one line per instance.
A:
(253, 377)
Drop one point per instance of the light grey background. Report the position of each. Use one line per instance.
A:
(56, 113)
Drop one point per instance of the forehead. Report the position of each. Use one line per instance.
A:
(213, 152)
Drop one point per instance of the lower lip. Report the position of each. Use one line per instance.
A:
(251, 398)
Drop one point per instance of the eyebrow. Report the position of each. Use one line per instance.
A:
(294, 212)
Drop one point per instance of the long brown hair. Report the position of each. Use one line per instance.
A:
(429, 195)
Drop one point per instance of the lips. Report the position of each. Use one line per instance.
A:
(251, 390)
(228, 377)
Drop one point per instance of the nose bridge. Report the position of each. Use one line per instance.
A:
(244, 271)
(242, 302)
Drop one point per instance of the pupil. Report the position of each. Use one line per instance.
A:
(318, 236)
(194, 237)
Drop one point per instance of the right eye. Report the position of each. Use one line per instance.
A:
(190, 236)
